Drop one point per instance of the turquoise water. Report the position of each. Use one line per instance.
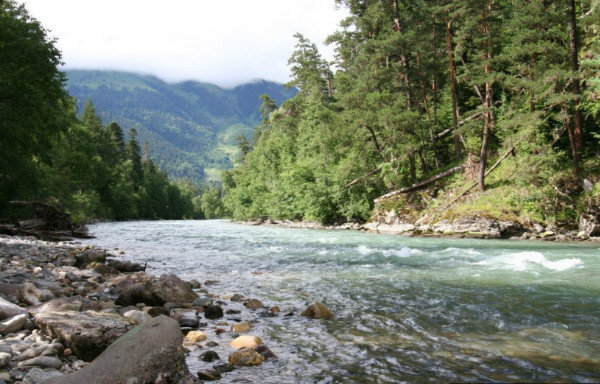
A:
(407, 309)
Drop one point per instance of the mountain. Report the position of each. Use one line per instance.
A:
(190, 127)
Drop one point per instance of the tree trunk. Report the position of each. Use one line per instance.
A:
(452, 70)
(488, 103)
(577, 137)
(421, 183)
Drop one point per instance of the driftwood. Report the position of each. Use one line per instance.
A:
(49, 221)
(420, 183)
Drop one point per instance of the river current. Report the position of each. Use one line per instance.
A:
(406, 309)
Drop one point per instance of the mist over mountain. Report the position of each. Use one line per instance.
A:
(190, 127)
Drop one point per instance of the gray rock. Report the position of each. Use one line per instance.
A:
(37, 375)
(209, 356)
(589, 224)
(203, 302)
(89, 256)
(72, 303)
(88, 333)
(138, 316)
(5, 359)
(8, 309)
(42, 362)
(171, 288)
(13, 324)
(32, 295)
(317, 311)
(149, 353)
(213, 312)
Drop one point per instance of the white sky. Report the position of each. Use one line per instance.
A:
(222, 42)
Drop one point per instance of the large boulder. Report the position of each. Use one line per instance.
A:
(166, 288)
(172, 289)
(149, 353)
(474, 227)
(87, 333)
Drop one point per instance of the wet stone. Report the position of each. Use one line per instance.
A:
(209, 356)
(213, 312)
(224, 368)
(209, 375)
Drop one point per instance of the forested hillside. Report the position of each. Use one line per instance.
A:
(189, 126)
(494, 100)
(51, 157)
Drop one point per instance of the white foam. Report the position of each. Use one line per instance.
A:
(522, 261)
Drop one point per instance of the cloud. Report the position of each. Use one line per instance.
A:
(223, 42)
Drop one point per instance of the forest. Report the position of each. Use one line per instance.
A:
(427, 102)
(48, 154)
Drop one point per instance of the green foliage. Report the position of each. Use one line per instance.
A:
(211, 203)
(32, 101)
(384, 120)
(186, 125)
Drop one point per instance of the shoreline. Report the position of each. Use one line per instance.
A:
(467, 228)
(63, 304)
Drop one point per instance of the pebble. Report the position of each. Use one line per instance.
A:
(246, 341)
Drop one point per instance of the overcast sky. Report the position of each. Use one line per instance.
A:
(221, 42)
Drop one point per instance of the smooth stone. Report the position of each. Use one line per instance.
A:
(213, 312)
(317, 311)
(5, 376)
(224, 367)
(13, 324)
(43, 362)
(254, 304)
(196, 336)
(137, 316)
(5, 359)
(150, 353)
(242, 327)
(72, 303)
(209, 356)
(209, 375)
(266, 352)
(203, 302)
(246, 358)
(38, 375)
(88, 333)
(246, 341)
(8, 309)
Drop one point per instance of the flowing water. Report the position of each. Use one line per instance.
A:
(406, 309)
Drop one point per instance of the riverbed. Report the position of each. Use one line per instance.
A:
(406, 309)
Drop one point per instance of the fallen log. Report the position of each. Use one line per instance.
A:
(420, 183)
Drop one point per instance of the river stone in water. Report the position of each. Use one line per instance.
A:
(149, 353)
(196, 336)
(88, 333)
(242, 327)
(254, 304)
(317, 311)
(213, 312)
(246, 358)
(246, 341)
(209, 356)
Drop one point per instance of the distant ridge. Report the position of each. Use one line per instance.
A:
(190, 127)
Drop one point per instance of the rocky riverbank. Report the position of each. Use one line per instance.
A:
(63, 306)
(466, 227)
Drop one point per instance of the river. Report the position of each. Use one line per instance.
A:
(406, 309)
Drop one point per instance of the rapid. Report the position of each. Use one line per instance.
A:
(406, 309)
